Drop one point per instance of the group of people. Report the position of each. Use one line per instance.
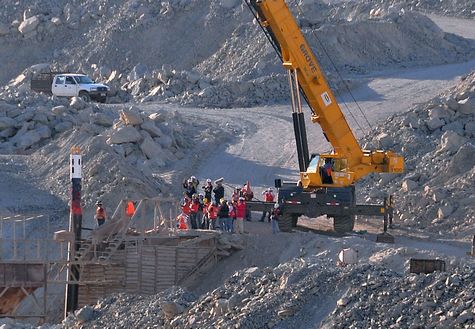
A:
(210, 210)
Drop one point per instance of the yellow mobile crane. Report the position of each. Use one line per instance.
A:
(326, 184)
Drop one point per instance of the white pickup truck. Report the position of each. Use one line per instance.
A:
(70, 85)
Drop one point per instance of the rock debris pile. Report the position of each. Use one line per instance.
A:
(123, 150)
(437, 140)
(210, 53)
(298, 294)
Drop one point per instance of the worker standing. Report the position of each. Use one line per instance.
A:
(101, 214)
(223, 214)
(208, 189)
(194, 209)
(274, 218)
(218, 190)
(248, 196)
(129, 209)
(204, 214)
(268, 197)
(212, 215)
(240, 215)
(230, 219)
(189, 188)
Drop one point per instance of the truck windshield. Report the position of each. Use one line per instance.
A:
(83, 79)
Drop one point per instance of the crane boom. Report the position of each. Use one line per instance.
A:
(350, 160)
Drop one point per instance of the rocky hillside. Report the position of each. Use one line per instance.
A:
(211, 53)
(437, 140)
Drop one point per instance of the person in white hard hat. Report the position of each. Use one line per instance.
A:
(208, 189)
(274, 218)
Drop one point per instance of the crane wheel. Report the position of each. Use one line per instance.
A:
(343, 224)
(286, 223)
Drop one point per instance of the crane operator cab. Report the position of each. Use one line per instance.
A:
(326, 170)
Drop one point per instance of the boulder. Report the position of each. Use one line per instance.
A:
(84, 314)
(171, 309)
(409, 185)
(385, 140)
(165, 141)
(445, 211)
(451, 103)
(434, 123)
(6, 122)
(151, 128)
(151, 149)
(463, 160)
(28, 139)
(131, 117)
(127, 134)
(139, 71)
(63, 126)
(77, 103)
(56, 21)
(59, 110)
(467, 105)
(102, 119)
(43, 131)
(451, 142)
(469, 129)
(6, 133)
(29, 25)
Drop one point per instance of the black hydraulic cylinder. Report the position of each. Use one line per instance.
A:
(303, 140)
(298, 141)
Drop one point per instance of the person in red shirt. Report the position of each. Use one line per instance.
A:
(182, 219)
(212, 215)
(268, 197)
(194, 208)
(240, 215)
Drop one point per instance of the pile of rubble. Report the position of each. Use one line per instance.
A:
(437, 140)
(300, 293)
(123, 149)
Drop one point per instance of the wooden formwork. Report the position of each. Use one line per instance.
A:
(148, 266)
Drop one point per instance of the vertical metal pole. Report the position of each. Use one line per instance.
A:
(24, 238)
(386, 215)
(75, 226)
(14, 240)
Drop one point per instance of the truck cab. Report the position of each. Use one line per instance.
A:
(79, 85)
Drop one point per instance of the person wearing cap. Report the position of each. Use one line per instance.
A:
(208, 189)
(240, 215)
(189, 188)
(274, 218)
(268, 197)
(101, 214)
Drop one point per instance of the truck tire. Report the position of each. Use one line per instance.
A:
(286, 222)
(343, 224)
(84, 95)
